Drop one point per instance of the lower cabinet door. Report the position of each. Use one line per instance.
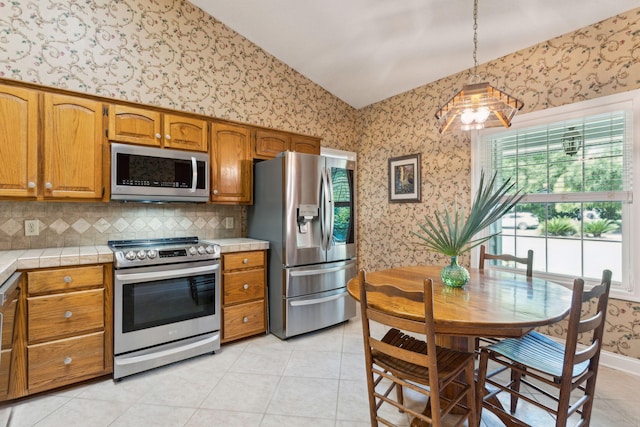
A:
(243, 320)
(60, 362)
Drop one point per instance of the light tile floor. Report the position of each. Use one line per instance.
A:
(312, 380)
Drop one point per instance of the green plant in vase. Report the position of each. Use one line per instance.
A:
(451, 232)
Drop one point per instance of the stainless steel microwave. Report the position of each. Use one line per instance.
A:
(151, 174)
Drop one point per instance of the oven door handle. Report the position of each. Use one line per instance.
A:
(125, 278)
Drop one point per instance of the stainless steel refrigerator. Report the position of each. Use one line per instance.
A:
(304, 205)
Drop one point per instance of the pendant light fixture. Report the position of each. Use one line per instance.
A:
(477, 105)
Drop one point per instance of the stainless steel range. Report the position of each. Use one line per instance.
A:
(166, 302)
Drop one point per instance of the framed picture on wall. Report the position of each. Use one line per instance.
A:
(404, 179)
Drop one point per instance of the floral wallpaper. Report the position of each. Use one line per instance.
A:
(171, 54)
(598, 60)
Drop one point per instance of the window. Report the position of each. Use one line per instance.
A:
(575, 164)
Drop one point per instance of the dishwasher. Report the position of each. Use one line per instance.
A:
(9, 292)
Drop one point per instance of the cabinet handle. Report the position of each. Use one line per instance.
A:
(215, 192)
(245, 319)
(68, 314)
(67, 360)
(67, 279)
(167, 136)
(158, 136)
(48, 185)
(246, 286)
(31, 184)
(245, 261)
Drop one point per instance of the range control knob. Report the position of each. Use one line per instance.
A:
(130, 255)
(142, 254)
(212, 249)
(201, 250)
(192, 250)
(152, 253)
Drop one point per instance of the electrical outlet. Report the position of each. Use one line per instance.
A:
(31, 227)
(228, 222)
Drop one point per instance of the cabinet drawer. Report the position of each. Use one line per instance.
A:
(63, 361)
(243, 286)
(66, 279)
(243, 320)
(60, 315)
(238, 260)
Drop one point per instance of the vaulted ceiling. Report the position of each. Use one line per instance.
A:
(364, 51)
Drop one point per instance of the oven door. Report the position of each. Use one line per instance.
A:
(160, 304)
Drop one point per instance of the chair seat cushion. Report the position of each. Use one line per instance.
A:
(450, 362)
(536, 351)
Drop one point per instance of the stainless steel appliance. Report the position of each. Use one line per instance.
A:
(166, 302)
(304, 205)
(158, 175)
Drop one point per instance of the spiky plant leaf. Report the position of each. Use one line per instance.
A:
(451, 234)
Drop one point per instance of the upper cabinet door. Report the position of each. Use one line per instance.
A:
(135, 125)
(270, 143)
(18, 142)
(305, 144)
(73, 136)
(231, 164)
(185, 133)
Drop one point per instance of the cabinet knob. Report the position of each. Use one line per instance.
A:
(67, 279)
(67, 360)
(245, 319)
(215, 192)
(68, 314)
(246, 286)
(31, 184)
(167, 136)
(48, 185)
(158, 136)
(245, 261)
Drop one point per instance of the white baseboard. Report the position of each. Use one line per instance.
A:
(616, 361)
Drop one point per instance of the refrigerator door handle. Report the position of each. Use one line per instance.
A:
(331, 208)
(317, 271)
(324, 200)
(318, 300)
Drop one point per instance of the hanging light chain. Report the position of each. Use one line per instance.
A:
(475, 40)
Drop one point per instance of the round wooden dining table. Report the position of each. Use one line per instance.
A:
(493, 304)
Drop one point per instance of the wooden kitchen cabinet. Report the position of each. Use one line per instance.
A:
(149, 127)
(18, 142)
(269, 143)
(66, 333)
(305, 144)
(72, 147)
(243, 294)
(231, 164)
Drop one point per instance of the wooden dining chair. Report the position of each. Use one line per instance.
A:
(407, 356)
(528, 261)
(570, 370)
(484, 256)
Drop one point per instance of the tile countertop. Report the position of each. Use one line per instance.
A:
(22, 259)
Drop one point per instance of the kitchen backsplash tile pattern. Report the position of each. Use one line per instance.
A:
(171, 54)
(80, 224)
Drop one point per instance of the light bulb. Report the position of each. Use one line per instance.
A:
(467, 116)
(482, 114)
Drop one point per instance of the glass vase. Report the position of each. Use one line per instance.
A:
(454, 275)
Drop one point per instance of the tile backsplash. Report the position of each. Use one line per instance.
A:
(80, 224)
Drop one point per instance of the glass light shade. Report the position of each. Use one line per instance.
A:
(489, 107)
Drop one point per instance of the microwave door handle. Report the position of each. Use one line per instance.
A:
(194, 171)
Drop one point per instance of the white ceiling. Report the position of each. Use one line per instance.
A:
(364, 51)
